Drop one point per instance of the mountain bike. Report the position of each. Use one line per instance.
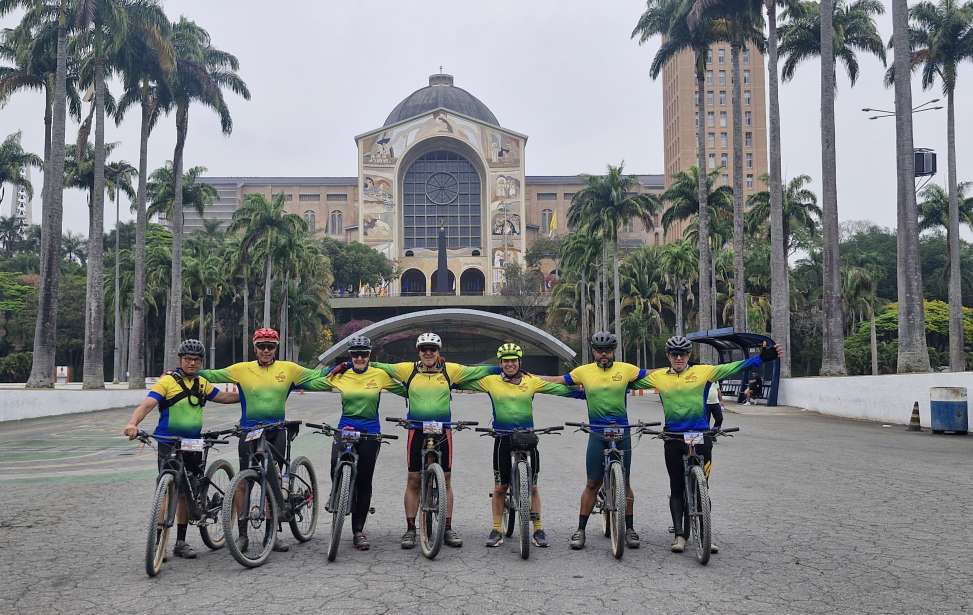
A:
(431, 519)
(263, 497)
(516, 502)
(698, 504)
(610, 502)
(343, 477)
(204, 495)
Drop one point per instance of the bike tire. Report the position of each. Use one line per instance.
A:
(523, 508)
(509, 519)
(340, 510)
(606, 517)
(219, 474)
(302, 498)
(616, 492)
(699, 515)
(161, 518)
(249, 482)
(432, 512)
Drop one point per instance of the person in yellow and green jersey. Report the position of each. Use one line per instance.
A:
(361, 388)
(180, 399)
(428, 382)
(606, 383)
(512, 395)
(683, 390)
(264, 385)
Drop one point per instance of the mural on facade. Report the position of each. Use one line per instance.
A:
(501, 150)
(506, 187)
(378, 150)
(384, 148)
(378, 215)
(505, 221)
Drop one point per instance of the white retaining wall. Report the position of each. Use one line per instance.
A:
(886, 398)
(19, 403)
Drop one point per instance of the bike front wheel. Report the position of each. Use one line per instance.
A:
(523, 507)
(249, 519)
(216, 485)
(615, 494)
(161, 518)
(341, 504)
(302, 499)
(699, 514)
(432, 511)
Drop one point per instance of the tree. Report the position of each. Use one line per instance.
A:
(678, 261)
(13, 161)
(525, 287)
(161, 191)
(934, 207)
(202, 72)
(578, 255)
(355, 264)
(800, 207)
(683, 199)
(844, 29)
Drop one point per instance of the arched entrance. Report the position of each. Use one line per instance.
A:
(472, 282)
(441, 186)
(413, 283)
(451, 278)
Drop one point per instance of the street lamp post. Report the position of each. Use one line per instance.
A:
(212, 328)
(883, 113)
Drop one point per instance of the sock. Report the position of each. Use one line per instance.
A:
(629, 521)
(497, 521)
(582, 521)
(449, 523)
(536, 518)
(242, 526)
(410, 523)
(181, 532)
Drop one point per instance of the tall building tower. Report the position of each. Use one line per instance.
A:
(679, 116)
(19, 205)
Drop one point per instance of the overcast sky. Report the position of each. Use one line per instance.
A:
(563, 72)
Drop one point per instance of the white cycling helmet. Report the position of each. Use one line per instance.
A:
(429, 339)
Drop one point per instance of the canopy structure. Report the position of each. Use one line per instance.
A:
(733, 346)
(486, 322)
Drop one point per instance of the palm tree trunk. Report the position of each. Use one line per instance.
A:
(706, 297)
(136, 364)
(45, 328)
(212, 332)
(126, 334)
(268, 282)
(679, 327)
(957, 357)
(833, 348)
(739, 272)
(244, 347)
(174, 314)
(48, 120)
(202, 317)
(117, 363)
(913, 355)
(598, 306)
(585, 336)
(780, 327)
(618, 304)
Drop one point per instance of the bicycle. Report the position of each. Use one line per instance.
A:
(431, 518)
(517, 500)
(266, 501)
(610, 502)
(698, 505)
(204, 497)
(343, 477)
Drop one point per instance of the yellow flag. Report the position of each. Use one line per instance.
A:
(552, 225)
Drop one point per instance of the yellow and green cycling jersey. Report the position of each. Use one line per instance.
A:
(180, 414)
(513, 404)
(606, 390)
(429, 392)
(264, 389)
(684, 393)
(360, 396)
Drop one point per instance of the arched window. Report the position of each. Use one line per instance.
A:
(413, 283)
(309, 218)
(546, 215)
(441, 186)
(335, 226)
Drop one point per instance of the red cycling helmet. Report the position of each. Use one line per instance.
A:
(266, 335)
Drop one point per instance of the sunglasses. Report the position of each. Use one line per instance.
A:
(678, 354)
(428, 349)
(359, 354)
(266, 346)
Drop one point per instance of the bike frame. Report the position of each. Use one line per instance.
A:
(261, 458)
(193, 489)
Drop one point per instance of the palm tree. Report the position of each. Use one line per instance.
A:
(73, 248)
(11, 231)
(859, 286)
(940, 38)
(934, 208)
(800, 207)
(13, 161)
(683, 198)
(160, 189)
(202, 72)
(645, 292)
(579, 251)
(678, 261)
(845, 29)
(604, 204)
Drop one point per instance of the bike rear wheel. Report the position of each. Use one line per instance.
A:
(615, 492)
(302, 498)
(217, 481)
(432, 511)
(602, 510)
(341, 504)
(509, 520)
(523, 507)
(161, 518)
(699, 514)
(248, 501)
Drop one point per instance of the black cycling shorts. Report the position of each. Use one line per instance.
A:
(192, 461)
(414, 449)
(277, 438)
(502, 468)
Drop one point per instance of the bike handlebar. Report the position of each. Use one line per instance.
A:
(414, 424)
(505, 432)
(666, 435)
(328, 430)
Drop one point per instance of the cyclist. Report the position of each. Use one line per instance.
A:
(606, 383)
(428, 382)
(264, 385)
(180, 397)
(360, 388)
(512, 395)
(683, 390)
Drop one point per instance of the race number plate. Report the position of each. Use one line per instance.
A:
(191, 444)
(253, 435)
(613, 431)
(432, 427)
(692, 437)
(350, 435)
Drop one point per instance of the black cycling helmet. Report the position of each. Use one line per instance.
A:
(359, 342)
(603, 340)
(678, 343)
(193, 347)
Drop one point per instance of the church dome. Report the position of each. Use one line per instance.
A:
(441, 93)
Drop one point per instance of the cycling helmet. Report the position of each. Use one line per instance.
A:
(429, 339)
(509, 351)
(193, 347)
(678, 343)
(266, 335)
(603, 340)
(359, 342)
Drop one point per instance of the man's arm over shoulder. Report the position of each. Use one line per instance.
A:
(226, 374)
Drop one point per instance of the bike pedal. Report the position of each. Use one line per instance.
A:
(371, 510)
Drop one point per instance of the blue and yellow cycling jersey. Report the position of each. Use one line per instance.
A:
(181, 415)
(605, 390)
(513, 404)
(360, 396)
(429, 392)
(264, 389)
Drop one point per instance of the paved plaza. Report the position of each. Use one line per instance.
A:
(813, 515)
